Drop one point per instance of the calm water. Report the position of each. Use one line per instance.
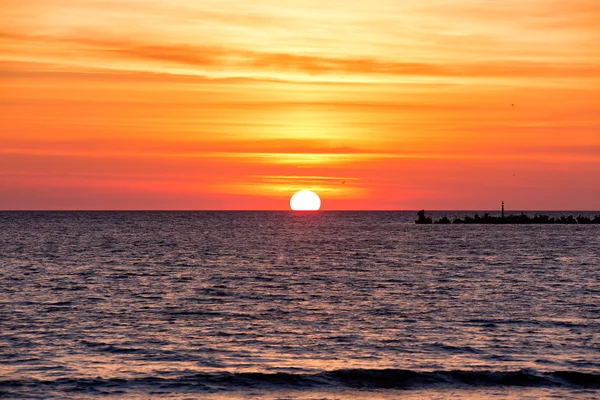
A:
(297, 306)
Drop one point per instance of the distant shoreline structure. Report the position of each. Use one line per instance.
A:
(522, 219)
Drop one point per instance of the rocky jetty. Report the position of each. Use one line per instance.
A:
(423, 219)
(509, 219)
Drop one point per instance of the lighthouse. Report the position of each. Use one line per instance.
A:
(502, 209)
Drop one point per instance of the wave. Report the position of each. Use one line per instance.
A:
(339, 379)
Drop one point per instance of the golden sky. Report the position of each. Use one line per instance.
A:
(230, 104)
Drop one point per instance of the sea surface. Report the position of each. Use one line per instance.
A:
(292, 305)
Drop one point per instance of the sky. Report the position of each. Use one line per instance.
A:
(231, 104)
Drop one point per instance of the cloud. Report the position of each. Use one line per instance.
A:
(240, 62)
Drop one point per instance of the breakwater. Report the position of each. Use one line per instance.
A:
(522, 218)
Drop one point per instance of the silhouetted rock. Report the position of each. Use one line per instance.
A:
(444, 220)
(423, 219)
(583, 220)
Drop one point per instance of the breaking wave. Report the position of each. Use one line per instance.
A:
(339, 379)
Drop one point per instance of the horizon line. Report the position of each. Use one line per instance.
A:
(293, 211)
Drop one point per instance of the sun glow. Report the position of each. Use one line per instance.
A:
(305, 200)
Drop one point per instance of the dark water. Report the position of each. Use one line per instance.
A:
(295, 305)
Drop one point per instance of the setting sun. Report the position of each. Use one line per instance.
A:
(305, 200)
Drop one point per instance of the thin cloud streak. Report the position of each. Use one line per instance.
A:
(243, 62)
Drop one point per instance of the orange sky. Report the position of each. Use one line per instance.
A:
(230, 104)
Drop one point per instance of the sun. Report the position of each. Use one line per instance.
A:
(305, 200)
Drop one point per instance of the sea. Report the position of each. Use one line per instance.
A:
(296, 305)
